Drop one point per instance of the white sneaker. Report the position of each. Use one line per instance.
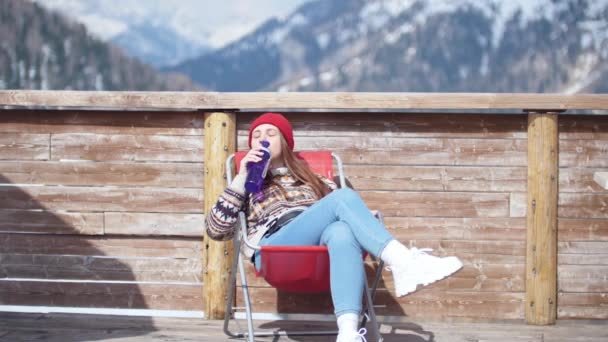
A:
(423, 269)
(352, 336)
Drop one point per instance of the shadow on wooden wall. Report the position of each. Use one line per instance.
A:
(101, 210)
(52, 258)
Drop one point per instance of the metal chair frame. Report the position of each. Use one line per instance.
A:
(241, 237)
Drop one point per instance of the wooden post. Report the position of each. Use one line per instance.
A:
(541, 240)
(220, 142)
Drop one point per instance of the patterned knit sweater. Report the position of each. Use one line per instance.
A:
(221, 221)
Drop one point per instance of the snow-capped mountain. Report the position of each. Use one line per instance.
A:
(165, 32)
(155, 32)
(157, 46)
(418, 45)
(44, 50)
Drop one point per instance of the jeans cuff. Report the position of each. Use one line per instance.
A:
(345, 311)
(379, 252)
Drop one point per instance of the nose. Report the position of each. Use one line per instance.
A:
(263, 137)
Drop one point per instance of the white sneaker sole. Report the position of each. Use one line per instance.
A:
(454, 265)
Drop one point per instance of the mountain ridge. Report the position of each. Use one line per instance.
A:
(42, 49)
(389, 45)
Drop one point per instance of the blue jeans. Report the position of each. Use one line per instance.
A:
(342, 221)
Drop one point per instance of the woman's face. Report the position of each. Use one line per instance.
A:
(271, 134)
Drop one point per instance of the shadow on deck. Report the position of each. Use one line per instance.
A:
(80, 327)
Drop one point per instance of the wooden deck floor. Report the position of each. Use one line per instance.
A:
(80, 327)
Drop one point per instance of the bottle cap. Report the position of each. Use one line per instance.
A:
(265, 144)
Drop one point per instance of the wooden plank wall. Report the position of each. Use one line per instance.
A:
(582, 218)
(455, 183)
(104, 209)
(101, 209)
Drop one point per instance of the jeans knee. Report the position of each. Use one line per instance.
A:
(347, 194)
(339, 234)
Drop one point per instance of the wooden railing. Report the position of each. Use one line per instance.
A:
(357, 101)
(221, 109)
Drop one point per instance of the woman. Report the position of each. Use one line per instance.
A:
(324, 215)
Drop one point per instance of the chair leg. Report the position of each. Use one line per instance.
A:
(231, 293)
(369, 301)
(246, 299)
(238, 262)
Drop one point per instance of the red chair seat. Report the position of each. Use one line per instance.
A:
(300, 269)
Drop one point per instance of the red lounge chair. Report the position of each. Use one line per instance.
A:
(295, 269)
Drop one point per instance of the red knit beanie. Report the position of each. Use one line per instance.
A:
(277, 120)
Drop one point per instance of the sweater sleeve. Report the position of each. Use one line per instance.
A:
(221, 220)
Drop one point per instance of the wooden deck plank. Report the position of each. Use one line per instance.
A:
(57, 327)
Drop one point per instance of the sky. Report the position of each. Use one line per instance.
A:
(208, 22)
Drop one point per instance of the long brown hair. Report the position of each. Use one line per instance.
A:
(300, 171)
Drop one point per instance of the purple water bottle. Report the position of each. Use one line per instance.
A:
(256, 172)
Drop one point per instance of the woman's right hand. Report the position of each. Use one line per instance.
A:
(253, 156)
